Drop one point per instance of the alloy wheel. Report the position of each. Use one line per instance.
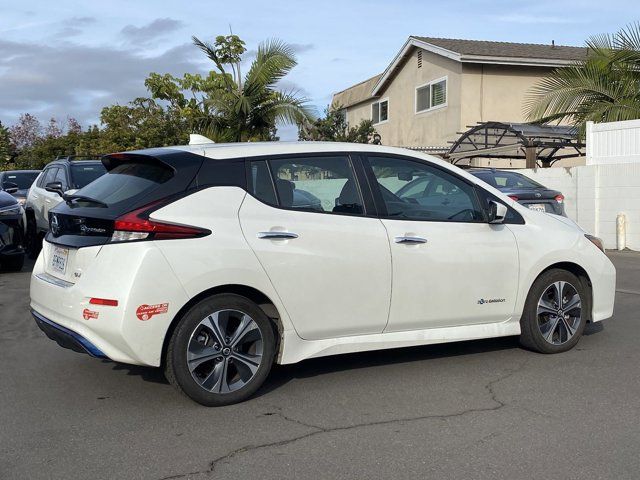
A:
(225, 351)
(559, 312)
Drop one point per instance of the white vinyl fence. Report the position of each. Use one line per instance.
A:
(595, 194)
(613, 142)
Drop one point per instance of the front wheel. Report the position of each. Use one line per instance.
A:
(555, 313)
(221, 351)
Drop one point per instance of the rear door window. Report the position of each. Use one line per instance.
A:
(324, 184)
(127, 181)
(261, 184)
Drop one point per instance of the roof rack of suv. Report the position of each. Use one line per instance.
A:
(75, 158)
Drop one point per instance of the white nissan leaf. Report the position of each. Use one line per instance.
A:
(215, 261)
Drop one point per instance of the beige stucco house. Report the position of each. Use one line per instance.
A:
(435, 88)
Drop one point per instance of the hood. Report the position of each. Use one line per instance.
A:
(6, 199)
(566, 221)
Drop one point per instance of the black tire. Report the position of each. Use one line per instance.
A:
(176, 364)
(531, 336)
(34, 239)
(14, 263)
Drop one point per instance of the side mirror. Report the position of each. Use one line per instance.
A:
(405, 176)
(10, 187)
(55, 187)
(497, 212)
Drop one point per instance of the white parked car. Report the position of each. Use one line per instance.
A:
(62, 176)
(200, 260)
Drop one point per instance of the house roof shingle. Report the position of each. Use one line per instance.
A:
(507, 49)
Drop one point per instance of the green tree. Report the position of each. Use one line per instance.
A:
(247, 108)
(5, 147)
(333, 127)
(605, 87)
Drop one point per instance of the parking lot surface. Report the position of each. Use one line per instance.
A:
(483, 409)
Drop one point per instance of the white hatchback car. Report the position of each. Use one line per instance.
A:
(215, 261)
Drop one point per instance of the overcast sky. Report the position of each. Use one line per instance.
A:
(70, 58)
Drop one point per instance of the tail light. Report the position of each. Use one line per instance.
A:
(513, 197)
(559, 198)
(137, 225)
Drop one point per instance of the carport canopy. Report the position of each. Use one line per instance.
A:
(537, 144)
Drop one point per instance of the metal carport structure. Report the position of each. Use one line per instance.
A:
(543, 144)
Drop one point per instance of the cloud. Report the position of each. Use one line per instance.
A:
(302, 47)
(156, 29)
(74, 26)
(77, 80)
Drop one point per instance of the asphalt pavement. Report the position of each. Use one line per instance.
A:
(469, 410)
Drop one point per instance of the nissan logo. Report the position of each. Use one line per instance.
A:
(54, 225)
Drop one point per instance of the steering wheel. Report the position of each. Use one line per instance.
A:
(467, 211)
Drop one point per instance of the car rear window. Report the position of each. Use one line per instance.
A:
(83, 174)
(127, 181)
(24, 180)
(503, 179)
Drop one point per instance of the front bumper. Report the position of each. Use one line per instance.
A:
(66, 338)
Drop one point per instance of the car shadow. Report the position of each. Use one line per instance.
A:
(282, 374)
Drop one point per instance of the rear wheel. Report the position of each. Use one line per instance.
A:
(221, 351)
(555, 312)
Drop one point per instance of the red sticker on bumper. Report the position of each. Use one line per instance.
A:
(89, 314)
(145, 312)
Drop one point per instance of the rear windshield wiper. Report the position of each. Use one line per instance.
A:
(82, 198)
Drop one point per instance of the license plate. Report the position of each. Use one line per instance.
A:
(538, 207)
(59, 259)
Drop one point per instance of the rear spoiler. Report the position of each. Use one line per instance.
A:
(170, 158)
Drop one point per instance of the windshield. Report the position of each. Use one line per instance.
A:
(502, 179)
(24, 180)
(83, 173)
(126, 181)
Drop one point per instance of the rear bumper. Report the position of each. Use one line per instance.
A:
(66, 338)
(135, 276)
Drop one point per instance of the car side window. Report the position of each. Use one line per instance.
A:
(319, 183)
(413, 190)
(261, 184)
(61, 177)
(48, 176)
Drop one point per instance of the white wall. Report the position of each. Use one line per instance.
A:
(613, 142)
(595, 194)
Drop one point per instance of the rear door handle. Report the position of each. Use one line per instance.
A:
(410, 240)
(277, 235)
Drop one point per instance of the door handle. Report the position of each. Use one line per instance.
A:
(277, 235)
(410, 240)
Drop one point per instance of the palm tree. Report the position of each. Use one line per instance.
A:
(605, 87)
(248, 108)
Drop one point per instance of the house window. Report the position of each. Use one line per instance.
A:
(431, 95)
(380, 111)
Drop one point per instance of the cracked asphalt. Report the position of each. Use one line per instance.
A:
(483, 409)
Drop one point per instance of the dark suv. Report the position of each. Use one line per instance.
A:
(18, 182)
